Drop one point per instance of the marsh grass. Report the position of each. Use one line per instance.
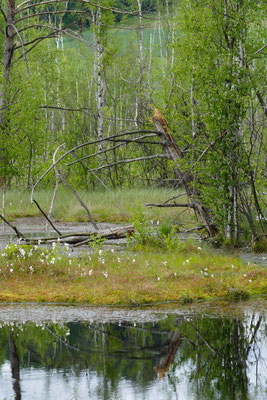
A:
(102, 205)
(146, 276)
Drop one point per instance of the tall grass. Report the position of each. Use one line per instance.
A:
(102, 204)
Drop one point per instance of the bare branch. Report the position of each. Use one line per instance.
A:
(262, 48)
(108, 189)
(113, 9)
(22, 45)
(39, 40)
(170, 93)
(68, 32)
(35, 40)
(174, 197)
(67, 109)
(110, 148)
(40, 26)
(136, 141)
(3, 13)
(84, 145)
(130, 160)
(79, 199)
(58, 175)
(49, 13)
(216, 11)
(169, 205)
(19, 235)
(203, 153)
(46, 217)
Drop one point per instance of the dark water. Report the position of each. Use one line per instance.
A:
(84, 353)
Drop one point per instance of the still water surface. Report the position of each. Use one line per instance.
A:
(195, 352)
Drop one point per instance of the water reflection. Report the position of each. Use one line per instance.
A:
(189, 356)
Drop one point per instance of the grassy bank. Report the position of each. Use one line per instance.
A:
(102, 204)
(185, 274)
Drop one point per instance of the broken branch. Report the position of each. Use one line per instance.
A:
(18, 233)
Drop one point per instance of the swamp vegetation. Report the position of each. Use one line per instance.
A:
(143, 112)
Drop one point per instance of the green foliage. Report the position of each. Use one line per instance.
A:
(167, 233)
(97, 242)
(149, 233)
(143, 230)
(203, 66)
(212, 105)
(260, 245)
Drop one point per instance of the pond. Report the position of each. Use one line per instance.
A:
(202, 351)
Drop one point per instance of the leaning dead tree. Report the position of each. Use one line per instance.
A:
(174, 153)
(169, 150)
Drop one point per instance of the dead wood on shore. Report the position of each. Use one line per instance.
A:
(78, 239)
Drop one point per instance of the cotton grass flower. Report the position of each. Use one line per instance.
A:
(22, 252)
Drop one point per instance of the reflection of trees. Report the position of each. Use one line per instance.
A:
(217, 350)
(15, 366)
(168, 356)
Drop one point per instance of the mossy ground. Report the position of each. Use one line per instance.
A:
(156, 270)
(184, 274)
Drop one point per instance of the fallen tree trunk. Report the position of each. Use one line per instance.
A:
(117, 233)
(78, 239)
(174, 153)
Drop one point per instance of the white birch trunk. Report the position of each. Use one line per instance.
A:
(160, 45)
(98, 72)
(141, 64)
(172, 41)
(192, 101)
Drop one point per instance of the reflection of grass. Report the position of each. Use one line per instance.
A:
(102, 205)
(186, 274)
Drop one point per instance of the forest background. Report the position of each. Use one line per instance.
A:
(77, 71)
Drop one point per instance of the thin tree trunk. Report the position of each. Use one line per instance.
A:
(99, 74)
(160, 43)
(4, 95)
(3, 202)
